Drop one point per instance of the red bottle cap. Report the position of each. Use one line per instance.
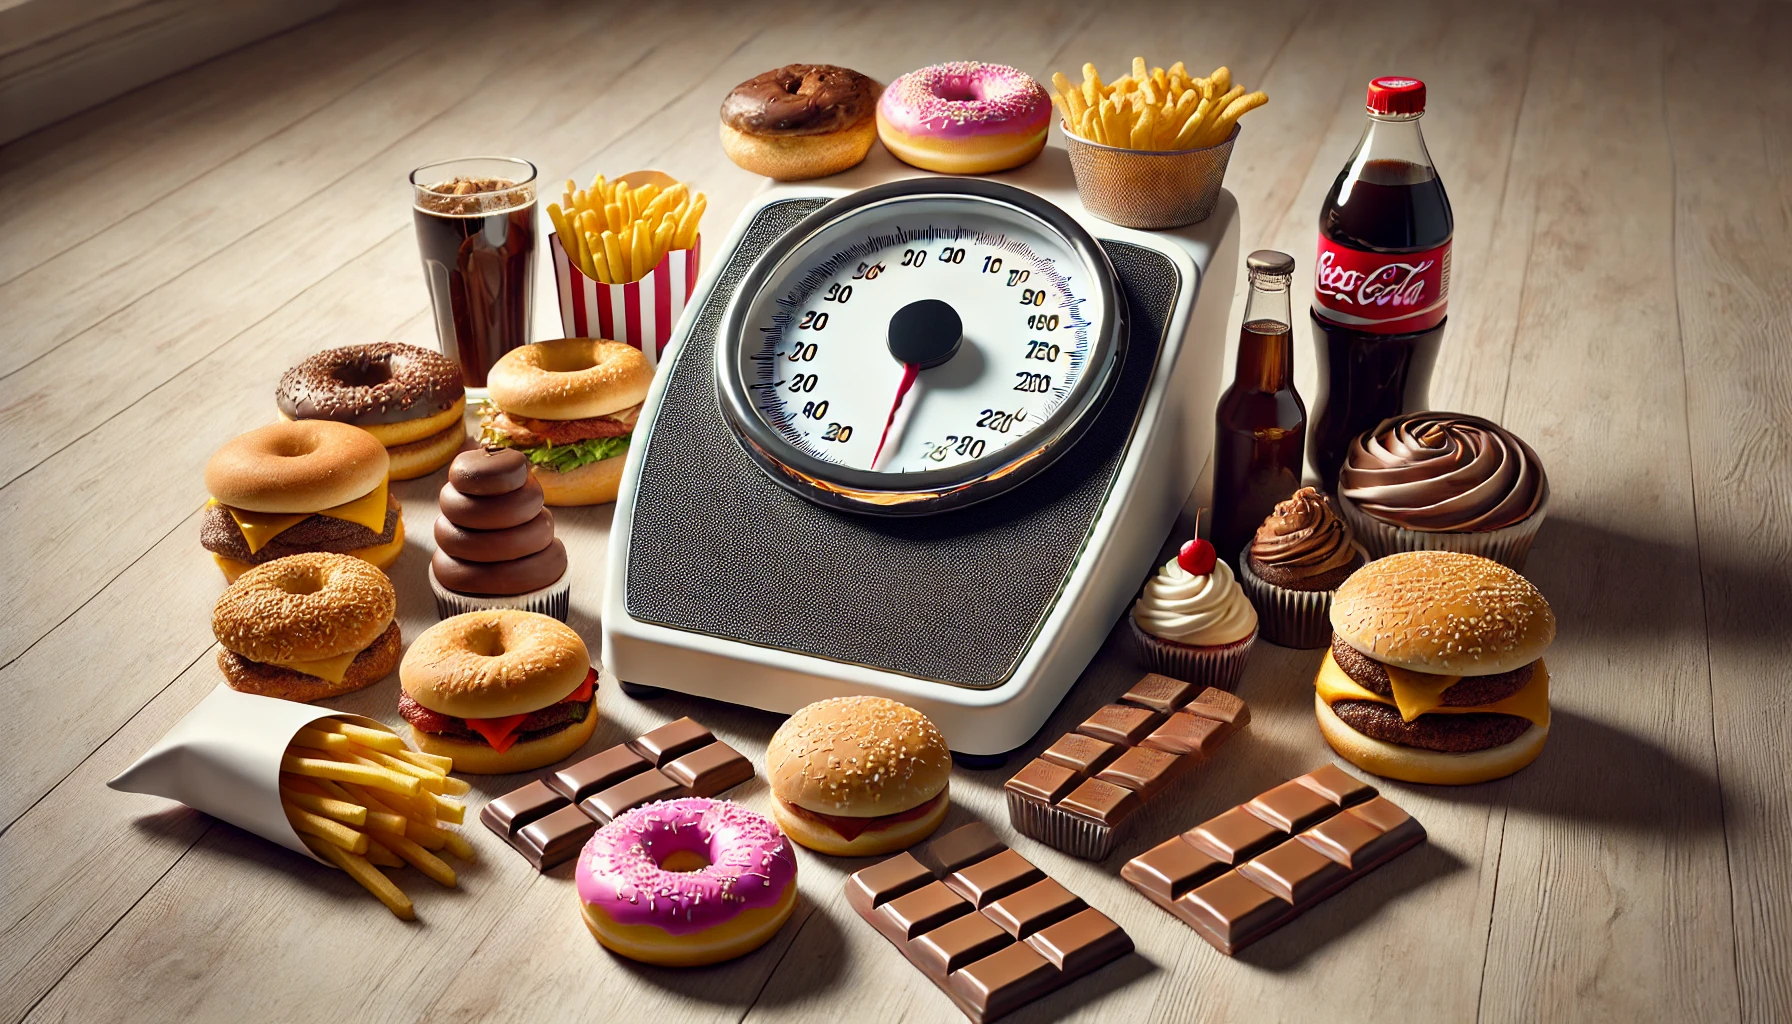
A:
(1396, 95)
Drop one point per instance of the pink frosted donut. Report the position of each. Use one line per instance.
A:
(965, 117)
(687, 882)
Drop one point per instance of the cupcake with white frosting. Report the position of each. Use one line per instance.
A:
(1192, 621)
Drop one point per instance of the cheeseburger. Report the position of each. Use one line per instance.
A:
(857, 776)
(1435, 672)
(499, 691)
(569, 405)
(294, 487)
(306, 627)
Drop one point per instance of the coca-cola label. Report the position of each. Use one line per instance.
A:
(1381, 293)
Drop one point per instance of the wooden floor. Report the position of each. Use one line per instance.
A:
(1622, 181)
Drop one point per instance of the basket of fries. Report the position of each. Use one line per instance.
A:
(341, 789)
(1150, 149)
(625, 257)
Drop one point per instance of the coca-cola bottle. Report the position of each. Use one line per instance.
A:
(1382, 278)
(1260, 426)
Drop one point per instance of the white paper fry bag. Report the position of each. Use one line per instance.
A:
(224, 759)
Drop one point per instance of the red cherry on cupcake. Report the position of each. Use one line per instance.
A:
(1196, 557)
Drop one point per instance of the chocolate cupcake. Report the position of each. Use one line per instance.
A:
(1298, 557)
(495, 543)
(1443, 481)
(1192, 622)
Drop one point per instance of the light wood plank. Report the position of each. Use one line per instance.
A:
(1612, 896)
(1731, 240)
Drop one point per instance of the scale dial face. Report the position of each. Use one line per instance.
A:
(920, 346)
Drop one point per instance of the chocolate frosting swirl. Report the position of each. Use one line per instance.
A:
(801, 99)
(1304, 536)
(1443, 471)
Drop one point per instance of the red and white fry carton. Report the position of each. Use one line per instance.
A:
(224, 759)
(641, 313)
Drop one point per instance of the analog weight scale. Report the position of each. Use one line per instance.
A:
(917, 436)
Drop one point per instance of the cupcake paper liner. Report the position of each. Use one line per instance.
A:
(1219, 667)
(1061, 829)
(1300, 619)
(554, 599)
(1508, 545)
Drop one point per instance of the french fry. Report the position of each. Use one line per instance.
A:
(333, 832)
(361, 871)
(451, 811)
(372, 777)
(442, 765)
(328, 806)
(380, 857)
(317, 739)
(376, 739)
(458, 845)
(426, 862)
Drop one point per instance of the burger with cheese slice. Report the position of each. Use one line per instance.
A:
(857, 776)
(570, 406)
(1435, 672)
(499, 691)
(306, 627)
(300, 486)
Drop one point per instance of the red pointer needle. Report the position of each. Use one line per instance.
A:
(909, 372)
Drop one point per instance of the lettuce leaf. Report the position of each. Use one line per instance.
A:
(564, 458)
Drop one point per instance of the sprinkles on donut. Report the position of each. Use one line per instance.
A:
(965, 117)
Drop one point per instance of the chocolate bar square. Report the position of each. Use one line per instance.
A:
(1044, 902)
(1292, 807)
(1159, 693)
(709, 770)
(921, 911)
(509, 813)
(1235, 836)
(879, 884)
(597, 773)
(1043, 781)
(956, 943)
(1293, 871)
(629, 794)
(1118, 723)
(1171, 868)
(992, 878)
(671, 741)
(1220, 706)
(1185, 733)
(965, 845)
(1081, 942)
(1143, 770)
(1084, 755)
(1337, 785)
(554, 838)
(1004, 981)
(1101, 801)
(1344, 838)
(1231, 906)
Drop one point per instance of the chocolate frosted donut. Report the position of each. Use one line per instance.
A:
(368, 385)
(801, 99)
(488, 471)
(495, 545)
(495, 511)
(1442, 471)
(501, 579)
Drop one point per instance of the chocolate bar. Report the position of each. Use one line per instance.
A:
(1242, 874)
(985, 925)
(548, 821)
(1077, 793)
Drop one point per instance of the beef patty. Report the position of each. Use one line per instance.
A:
(219, 533)
(1450, 734)
(544, 722)
(1473, 691)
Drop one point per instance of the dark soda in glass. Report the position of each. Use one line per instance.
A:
(475, 223)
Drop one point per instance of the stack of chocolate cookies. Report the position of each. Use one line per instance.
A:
(495, 543)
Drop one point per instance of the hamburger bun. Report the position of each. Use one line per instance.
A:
(523, 755)
(373, 664)
(294, 466)
(858, 757)
(885, 839)
(1411, 764)
(380, 556)
(423, 457)
(595, 483)
(1444, 613)
(569, 379)
(493, 663)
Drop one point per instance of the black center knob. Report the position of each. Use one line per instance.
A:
(925, 333)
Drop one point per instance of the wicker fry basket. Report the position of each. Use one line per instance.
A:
(1138, 188)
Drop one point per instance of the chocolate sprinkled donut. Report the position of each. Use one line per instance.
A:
(386, 382)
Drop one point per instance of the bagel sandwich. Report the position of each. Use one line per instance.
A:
(306, 627)
(858, 776)
(1435, 672)
(499, 691)
(301, 486)
(409, 398)
(570, 406)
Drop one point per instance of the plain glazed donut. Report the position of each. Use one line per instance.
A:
(484, 664)
(304, 608)
(300, 466)
(399, 393)
(800, 121)
(569, 379)
(965, 117)
(688, 882)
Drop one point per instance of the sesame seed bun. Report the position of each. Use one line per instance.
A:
(858, 757)
(1444, 613)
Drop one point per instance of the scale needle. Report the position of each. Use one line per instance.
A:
(909, 372)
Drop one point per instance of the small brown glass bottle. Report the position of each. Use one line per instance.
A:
(1260, 434)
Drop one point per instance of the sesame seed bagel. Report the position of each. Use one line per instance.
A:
(858, 757)
(296, 466)
(488, 664)
(304, 607)
(1443, 612)
(569, 379)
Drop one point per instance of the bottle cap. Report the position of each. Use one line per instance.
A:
(1269, 261)
(1396, 95)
